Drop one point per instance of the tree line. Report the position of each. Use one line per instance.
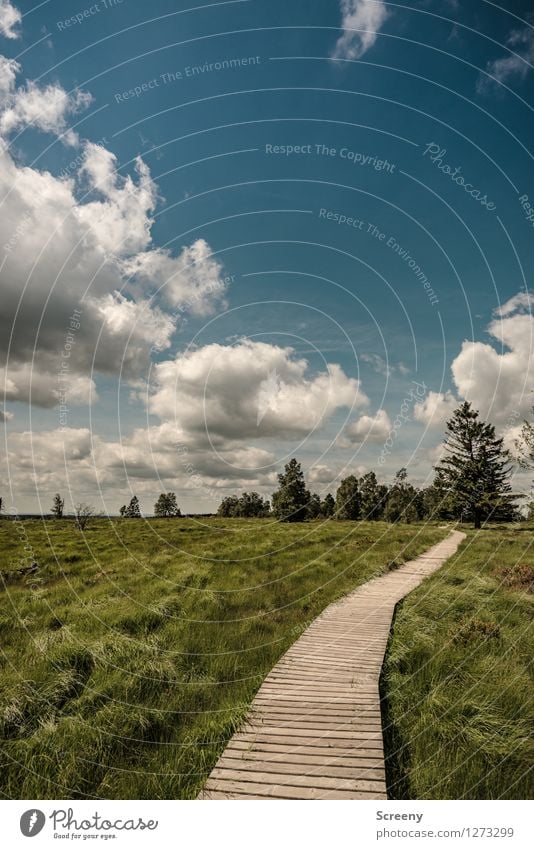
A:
(471, 483)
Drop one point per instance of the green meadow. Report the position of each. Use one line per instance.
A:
(459, 675)
(131, 652)
(130, 656)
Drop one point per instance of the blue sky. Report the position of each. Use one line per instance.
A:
(288, 228)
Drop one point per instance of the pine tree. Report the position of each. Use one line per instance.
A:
(57, 506)
(373, 497)
(476, 470)
(348, 499)
(133, 510)
(166, 506)
(403, 502)
(328, 505)
(314, 506)
(122, 511)
(290, 502)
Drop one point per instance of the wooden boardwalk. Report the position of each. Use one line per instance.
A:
(314, 730)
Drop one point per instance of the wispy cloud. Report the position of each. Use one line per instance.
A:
(515, 65)
(361, 21)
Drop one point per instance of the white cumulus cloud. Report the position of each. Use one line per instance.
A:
(499, 382)
(369, 428)
(217, 390)
(435, 408)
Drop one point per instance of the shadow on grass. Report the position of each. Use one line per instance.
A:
(397, 783)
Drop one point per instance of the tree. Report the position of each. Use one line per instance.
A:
(249, 506)
(229, 507)
(252, 506)
(476, 470)
(57, 506)
(403, 502)
(373, 497)
(132, 511)
(348, 500)
(290, 502)
(122, 511)
(328, 505)
(83, 513)
(166, 506)
(314, 506)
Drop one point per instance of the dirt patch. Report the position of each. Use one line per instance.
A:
(520, 577)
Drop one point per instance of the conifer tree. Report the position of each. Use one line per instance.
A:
(328, 505)
(290, 502)
(475, 471)
(348, 499)
(57, 506)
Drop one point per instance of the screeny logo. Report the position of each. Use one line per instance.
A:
(32, 822)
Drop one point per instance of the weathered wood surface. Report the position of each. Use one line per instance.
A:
(314, 729)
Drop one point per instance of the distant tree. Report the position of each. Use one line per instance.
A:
(83, 513)
(328, 505)
(122, 511)
(166, 506)
(403, 502)
(57, 506)
(476, 469)
(530, 511)
(249, 506)
(314, 506)
(373, 497)
(229, 506)
(133, 511)
(348, 499)
(290, 502)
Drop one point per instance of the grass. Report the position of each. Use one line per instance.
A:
(458, 676)
(131, 654)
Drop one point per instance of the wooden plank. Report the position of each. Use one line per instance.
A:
(296, 780)
(298, 768)
(283, 791)
(314, 730)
